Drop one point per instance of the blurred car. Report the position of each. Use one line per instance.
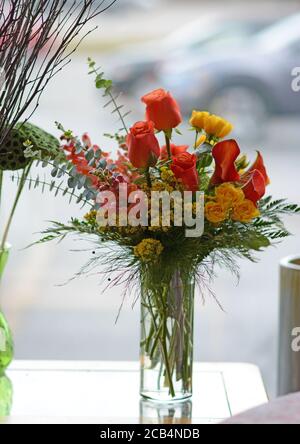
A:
(143, 61)
(244, 85)
(122, 5)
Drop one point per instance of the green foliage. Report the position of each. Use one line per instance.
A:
(73, 183)
(220, 245)
(107, 87)
(56, 189)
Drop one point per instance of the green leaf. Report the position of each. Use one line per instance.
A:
(257, 241)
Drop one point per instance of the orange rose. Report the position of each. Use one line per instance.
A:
(143, 146)
(225, 154)
(184, 168)
(162, 109)
(175, 150)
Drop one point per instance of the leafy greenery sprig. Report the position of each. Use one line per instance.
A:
(107, 87)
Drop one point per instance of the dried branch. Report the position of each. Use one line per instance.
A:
(35, 40)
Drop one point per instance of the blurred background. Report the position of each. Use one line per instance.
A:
(234, 58)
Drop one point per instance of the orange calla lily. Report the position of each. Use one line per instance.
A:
(260, 166)
(255, 187)
(225, 154)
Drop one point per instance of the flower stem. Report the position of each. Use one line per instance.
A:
(163, 343)
(148, 178)
(196, 139)
(1, 184)
(168, 144)
(16, 201)
(167, 363)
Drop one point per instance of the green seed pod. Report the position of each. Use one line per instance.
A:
(12, 150)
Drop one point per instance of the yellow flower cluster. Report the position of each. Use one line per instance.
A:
(161, 186)
(160, 227)
(124, 231)
(91, 217)
(213, 125)
(148, 250)
(229, 202)
(167, 175)
(129, 230)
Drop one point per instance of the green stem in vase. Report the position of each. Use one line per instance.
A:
(169, 372)
(16, 201)
(162, 340)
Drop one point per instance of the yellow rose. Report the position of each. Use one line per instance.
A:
(245, 211)
(217, 126)
(215, 212)
(198, 119)
(228, 195)
(213, 125)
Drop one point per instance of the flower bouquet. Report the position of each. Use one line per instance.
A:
(161, 217)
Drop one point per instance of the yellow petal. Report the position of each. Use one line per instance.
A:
(201, 140)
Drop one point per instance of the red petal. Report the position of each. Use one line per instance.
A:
(255, 188)
(260, 166)
(225, 154)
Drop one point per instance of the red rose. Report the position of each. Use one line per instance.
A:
(175, 150)
(260, 166)
(162, 109)
(225, 154)
(255, 187)
(143, 146)
(184, 168)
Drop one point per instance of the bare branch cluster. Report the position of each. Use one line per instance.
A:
(35, 38)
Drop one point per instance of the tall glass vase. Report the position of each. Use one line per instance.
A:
(167, 324)
(6, 340)
(6, 396)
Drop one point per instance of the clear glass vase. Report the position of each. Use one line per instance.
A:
(6, 339)
(6, 396)
(167, 324)
(166, 412)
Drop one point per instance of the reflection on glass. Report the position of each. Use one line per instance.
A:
(166, 413)
(6, 396)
